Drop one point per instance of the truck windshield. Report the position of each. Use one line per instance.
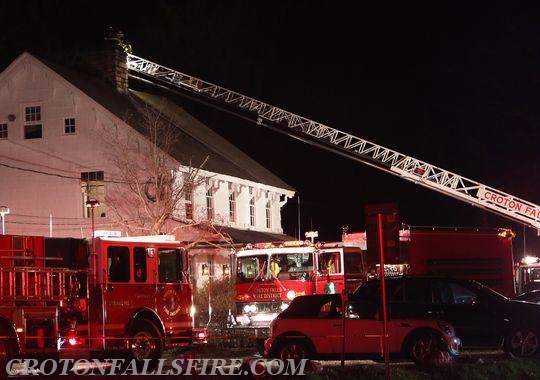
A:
(291, 266)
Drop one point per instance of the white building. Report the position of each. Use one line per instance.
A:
(52, 157)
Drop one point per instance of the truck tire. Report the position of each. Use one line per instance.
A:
(423, 347)
(523, 342)
(296, 349)
(145, 343)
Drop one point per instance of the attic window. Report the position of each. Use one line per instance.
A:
(32, 123)
(69, 125)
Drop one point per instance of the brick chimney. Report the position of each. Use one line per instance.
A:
(108, 63)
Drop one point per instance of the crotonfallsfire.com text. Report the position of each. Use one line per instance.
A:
(223, 367)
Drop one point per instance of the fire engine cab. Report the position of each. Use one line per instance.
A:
(64, 297)
(270, 275)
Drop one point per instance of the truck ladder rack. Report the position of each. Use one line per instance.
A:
(35, 284)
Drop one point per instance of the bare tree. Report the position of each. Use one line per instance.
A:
(150, 187)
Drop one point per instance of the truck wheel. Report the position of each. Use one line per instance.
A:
(424, 347)
(145, 343)
(294, 349)
(523, 343)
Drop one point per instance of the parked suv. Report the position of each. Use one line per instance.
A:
(482, 317)
(313, 327)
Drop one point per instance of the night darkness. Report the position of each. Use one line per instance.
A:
(456, 85)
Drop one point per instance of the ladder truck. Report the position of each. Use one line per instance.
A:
(62, 298)
(342, 143)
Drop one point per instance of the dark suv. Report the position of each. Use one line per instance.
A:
(482, 317)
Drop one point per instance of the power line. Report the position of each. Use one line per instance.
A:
(54, 174)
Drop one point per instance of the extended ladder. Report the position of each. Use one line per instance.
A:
(372, 154)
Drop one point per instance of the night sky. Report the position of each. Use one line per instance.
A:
(453, 84)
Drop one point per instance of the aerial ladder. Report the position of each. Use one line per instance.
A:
(345, 144)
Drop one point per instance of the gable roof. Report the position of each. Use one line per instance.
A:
(196, 142)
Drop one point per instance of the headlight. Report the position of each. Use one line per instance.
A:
(283, 306)
(250, 309)
(291, 294)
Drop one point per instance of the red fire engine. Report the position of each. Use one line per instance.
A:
(484, 255)
(270, 275)
(62, 297)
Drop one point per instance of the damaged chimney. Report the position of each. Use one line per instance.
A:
(109, 63)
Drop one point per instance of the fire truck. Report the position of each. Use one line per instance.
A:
(67, 298)
(481, 254)
(484, 255)
(270, 275)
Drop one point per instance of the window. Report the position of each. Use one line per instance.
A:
(189, 203)
(3, 131)
(291, 266)
(188, 196)
(232, 204)
(209, 200)
(170, 265)
(32, 123)
(139, 264)
(251, 207)
(331, 309)
(118, 264)
(462, 295)
(329, 262)
(93, 187)
(268, 212)
(69, 125)
(353, 261)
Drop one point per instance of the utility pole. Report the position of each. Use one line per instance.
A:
(92, 204)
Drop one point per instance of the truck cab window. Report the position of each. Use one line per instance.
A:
(118, 264)
(139, 264)
(170, 265)
(329, 262)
